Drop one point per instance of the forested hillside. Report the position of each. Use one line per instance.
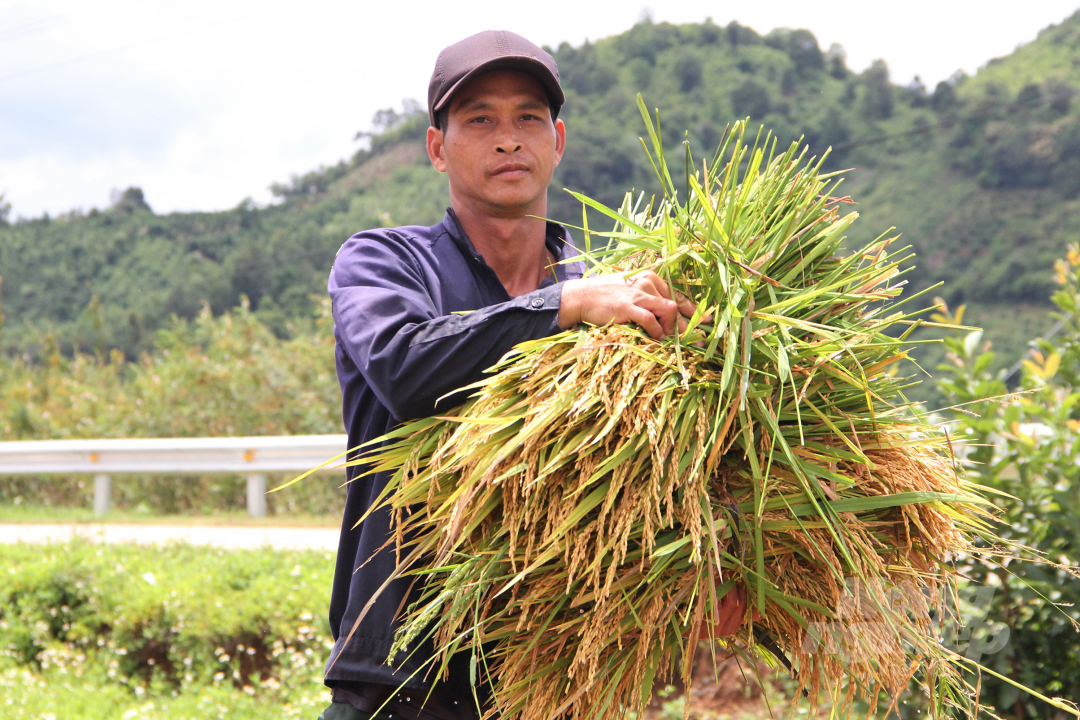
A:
(983, 181)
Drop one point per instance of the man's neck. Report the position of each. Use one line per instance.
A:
(514, 248)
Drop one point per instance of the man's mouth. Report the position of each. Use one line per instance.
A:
(511, 169)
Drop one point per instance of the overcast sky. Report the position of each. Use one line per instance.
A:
(204, 103)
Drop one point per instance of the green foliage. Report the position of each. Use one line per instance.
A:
(223, 376)
(129, 630)
(1036, 145)
(750, 99)
(986, 203)
(704, 78)
(878, 103)
(1026, 445)
(130, 201)
(944, 97)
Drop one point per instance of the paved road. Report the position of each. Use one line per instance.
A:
(229, 537)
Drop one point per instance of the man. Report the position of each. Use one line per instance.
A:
(493, 104)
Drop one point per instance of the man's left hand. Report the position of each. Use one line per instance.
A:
(642, 298)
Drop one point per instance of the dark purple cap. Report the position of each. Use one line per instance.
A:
(491, 50)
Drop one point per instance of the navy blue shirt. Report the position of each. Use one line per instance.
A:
(400, 348)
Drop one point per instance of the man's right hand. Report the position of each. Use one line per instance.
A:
(644, 299)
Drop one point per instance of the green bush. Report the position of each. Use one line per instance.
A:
(212, 376)
(132, 624)
(1026, 444)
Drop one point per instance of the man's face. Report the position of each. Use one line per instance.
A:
(499, 146)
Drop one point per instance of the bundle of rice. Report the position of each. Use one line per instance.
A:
(579, 519)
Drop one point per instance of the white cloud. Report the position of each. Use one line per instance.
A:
(91, 117)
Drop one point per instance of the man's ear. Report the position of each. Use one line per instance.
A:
(436, 149)
(560, 141)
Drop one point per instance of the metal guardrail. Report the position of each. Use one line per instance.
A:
(250, 456)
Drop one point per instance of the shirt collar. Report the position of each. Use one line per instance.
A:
(558, 240)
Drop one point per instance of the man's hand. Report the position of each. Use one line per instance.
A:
(645, 299)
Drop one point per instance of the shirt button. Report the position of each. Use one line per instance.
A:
(537, 302)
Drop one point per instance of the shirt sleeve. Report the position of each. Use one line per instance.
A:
(411, 356)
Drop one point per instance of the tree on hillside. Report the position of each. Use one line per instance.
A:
(916, 94)
(129, 201)
(688, 71)
(738, 35)
(878, 100)
(388, 118)
(750, 99)
(1028, 143)
(710, 32)
(944, 97)
(836, 61)
(802, 48)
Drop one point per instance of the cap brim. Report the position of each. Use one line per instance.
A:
(523, 63)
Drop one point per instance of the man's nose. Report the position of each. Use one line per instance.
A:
(507, 141)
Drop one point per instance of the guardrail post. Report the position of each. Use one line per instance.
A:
(256, 495)
(102, 490)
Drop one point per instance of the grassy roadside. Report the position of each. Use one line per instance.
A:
(59, 693)
(92, 632)
(41, 514)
